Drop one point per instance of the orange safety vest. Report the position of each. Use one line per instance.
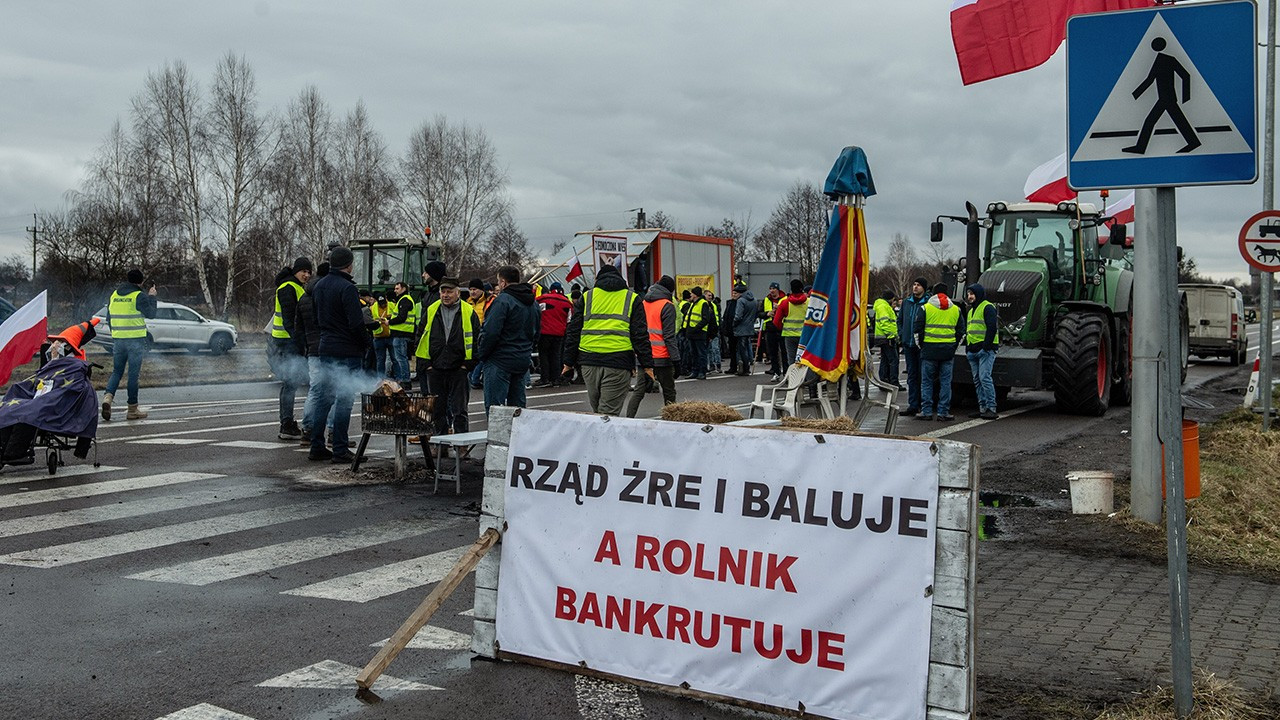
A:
(653, 314)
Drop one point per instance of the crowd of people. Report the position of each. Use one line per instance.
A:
(337, 340)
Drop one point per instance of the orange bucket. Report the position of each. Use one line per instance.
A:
(1190, 460)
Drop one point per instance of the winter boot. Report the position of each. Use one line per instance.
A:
(135, 413)
(106, 406)
(289, 430)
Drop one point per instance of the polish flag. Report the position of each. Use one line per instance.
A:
(22, 334)
(1122, 209)
(999, 37)
(576, 270)
(1048, 183)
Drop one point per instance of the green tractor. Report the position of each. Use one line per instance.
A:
(1064, 300)
(380, 263)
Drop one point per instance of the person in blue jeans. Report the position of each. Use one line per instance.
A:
(344, 338)
(939, 330)
(912, 309)
(507, 340)
(982, 338)
(127, 313)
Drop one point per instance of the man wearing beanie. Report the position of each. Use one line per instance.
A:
(789, 319)
(289, 345)
(305, 325)
(660, 320)
(431, 276)
(743, 326)
(982, 339)
(939, 329)
(608, 336)
(912, 310)
(343, 342)
(127, 313)
(507, 340)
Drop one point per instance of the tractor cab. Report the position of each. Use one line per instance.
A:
(380, 263)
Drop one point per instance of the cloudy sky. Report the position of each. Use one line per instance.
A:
(702, 109)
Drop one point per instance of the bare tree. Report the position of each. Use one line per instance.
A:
(901, 263)
(169, 109)
(796, 229)
(662, 220)
(739, 230)
(450, 181)
(361, 186)
(506, 245)
(298, 176)
(240, 144)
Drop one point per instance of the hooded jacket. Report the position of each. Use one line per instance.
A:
(744, 315)
(937, 351)
(658, 292)
(510, 332)
(638, 328)
(780, 312)
(988, 317)
(555, 312)
(340, 317)
(304, 320)
(288, 300)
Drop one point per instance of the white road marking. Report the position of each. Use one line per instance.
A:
(333, 675)
(431, 637)
(606, 700)
(247, 562)
(469, 612)
(258, 444)
(387, 580)
(204, 711)
(111, 545)
(102, 488)
(215, 403)
(170, 441)
(188, 432)
(40, 472)
(975, 423)
(133, 508)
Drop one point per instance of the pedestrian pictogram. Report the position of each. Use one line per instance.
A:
(1162, 97)
(1260, 241)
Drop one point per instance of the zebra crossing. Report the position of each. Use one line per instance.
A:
(43, 528)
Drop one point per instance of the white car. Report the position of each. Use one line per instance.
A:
(177, 326)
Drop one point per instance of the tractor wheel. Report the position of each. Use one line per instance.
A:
(1082, 365)
(1122, 384)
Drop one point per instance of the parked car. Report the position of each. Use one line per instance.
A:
(177, 326)
(1217, 317)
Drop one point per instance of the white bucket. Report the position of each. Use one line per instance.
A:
(1092, 492)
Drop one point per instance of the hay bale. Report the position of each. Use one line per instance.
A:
(700, 411)
(840, 425)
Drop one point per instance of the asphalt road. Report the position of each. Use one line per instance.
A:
(208, 570)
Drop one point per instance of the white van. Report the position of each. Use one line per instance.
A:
(1217, 321)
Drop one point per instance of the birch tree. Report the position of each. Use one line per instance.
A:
(362, 189)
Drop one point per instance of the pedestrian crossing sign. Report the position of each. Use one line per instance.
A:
(1163, 97)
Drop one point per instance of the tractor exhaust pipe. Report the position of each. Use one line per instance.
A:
(972, 240)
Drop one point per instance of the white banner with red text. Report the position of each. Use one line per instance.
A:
(786, 568)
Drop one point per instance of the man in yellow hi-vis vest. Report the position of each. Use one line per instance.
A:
(939, 331)
(886, 337)
(289, 347)
(404, 323)
(607, 336)
(127, 314)
(788, 317)
(982, 338)
(450, 331)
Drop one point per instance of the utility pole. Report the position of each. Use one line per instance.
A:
(34, 241)
(1268, 203)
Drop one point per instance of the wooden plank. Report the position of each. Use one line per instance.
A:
(500, 417)
(952, 553)
(949, 637)
(948, 687)
(484, 639)
(426, 609)
(955, 464)
(950, 592)
(953, 509)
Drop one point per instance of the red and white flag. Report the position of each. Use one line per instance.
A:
(1122, 209)
(576, 270)
(999, 37)
(22, 334)
(1048, 183)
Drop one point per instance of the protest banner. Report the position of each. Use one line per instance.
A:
(609, 250)
(689, 282)
(791, 570)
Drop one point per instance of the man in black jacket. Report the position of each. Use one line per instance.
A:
(304, 323)
(511, 327)
(450, 331)
(343, 341)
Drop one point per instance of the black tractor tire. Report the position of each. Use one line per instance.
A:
(1122, 382)
(1082, 364)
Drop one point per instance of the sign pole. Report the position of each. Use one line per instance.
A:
(1268, 203)
(1169, 422)
(1145, 497)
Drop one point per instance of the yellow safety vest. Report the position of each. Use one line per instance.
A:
(377, 314)
(127, 321)
(277, 322)
(939, 324)
(977, 327)
(606, 320)
(693, 318)
(793, 323)
(424, 345)
(886, 320)
(410, 320)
